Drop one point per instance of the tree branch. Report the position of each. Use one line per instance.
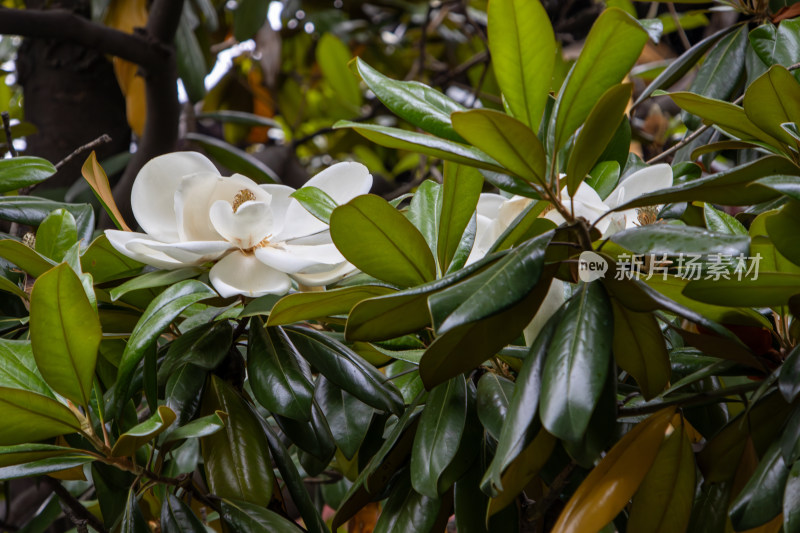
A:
(61, 24)
(76, 508)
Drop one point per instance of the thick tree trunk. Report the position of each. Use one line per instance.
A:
(71, 96)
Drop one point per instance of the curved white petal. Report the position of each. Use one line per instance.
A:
(247, 226)
(239, 273)
(641, 182)
(279, 203)
(152, 195)
(293, 258)
(553, 300)
(187, 253)
(489, 204)
(484, 239)
(342, 182)
(510, 210)
(121, 239)
(325, 277)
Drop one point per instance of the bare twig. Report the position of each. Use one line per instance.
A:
(9, 137)
(103, 139)
(674, 13)
(78, 514)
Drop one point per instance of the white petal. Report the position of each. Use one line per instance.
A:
(510, 210)
(239, 273)
(484, 239)
(121, 239)
(324, 278)
(247, 226)
(187, 253)
(153, 191)
(293, 258)
(279, 204)
(641, 182)
(342, 182)
(489, 204)
(553, 300)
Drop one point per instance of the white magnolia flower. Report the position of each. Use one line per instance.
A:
(588, 204)
(496, 213)
(258, 235)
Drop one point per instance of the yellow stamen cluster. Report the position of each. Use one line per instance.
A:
(245, 195)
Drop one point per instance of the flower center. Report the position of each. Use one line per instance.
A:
(245, 195)
(647, 215)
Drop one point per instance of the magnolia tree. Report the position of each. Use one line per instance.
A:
(600, 346)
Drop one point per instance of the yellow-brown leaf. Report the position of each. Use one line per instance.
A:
(98, 181)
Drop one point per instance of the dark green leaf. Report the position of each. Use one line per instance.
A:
(141, 434)
(782, 229)
(415, 102)
(777, 45)
(332, 58)
(315, 305)
(423, 212)
(577, 363)
(192, 68)
(177, 517)
(274, 373)
(133, 520)
(346, 369)
(56, 234)
(244, 516)
(407, 510)
(18, 368)
(774, 99)
(791, 501)
(789, 377)
(105, 263)
(24, 257)
(347, 416)
(721, 222)
(202, 346)
(674, 240)
(238, 117)
(44, 466)
(492, 401)
(760, 499)
(460, 192)
(769, 289)
(248, 17)
(439, 434)
(236, 459)
(158, 278)
(316, 201)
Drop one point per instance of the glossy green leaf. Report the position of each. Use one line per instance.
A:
(777, 45)
(59, 307)
(199, 427)
(244, 516)
(465, 347)
(274, 373)
(248, 17)
(380, 241)
(597, 131)
(493, 397)
(577, 363)
(674, 240)
(233, 158)
(729, 117)
(760, 499)
(770, 289)
(32, 210)
(27, 453)
(499, 287)
(347, 416)
(23, 171)
(158, 316)
(332, 58)
(315, 201)
(105, 263)
(423, 211)
(721, 222)
(315, 305)
(791, 501)
(24, 257)
(204, 346)
(29, 417)
(393, 315)
(523, 49)
(509, 141)
(56, 234)
(681, 65)
(424, 144)
(133, 520)
(237, 460)
(782, 229)
(294, 483)
(346, 369)
(422, 106)
(663, 503)
(520, 426)
(460, 192)
(407, 510)
(719, 73)
(9, 286)
(141, 434)
(787, 185)
(438, 435)
(18, 368)
(149, 280)
(774, 99)
(192, 67)
(639, 349)
(789, 376)
(611, 49)
(238, 117)
(177, 517)
(48, 465)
